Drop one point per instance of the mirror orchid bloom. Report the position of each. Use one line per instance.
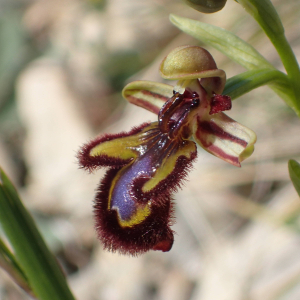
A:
(133, 206)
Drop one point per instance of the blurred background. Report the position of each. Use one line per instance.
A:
(63, 64)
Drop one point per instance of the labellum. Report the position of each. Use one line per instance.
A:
(133, 206)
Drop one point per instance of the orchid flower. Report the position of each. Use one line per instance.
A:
(133, 207)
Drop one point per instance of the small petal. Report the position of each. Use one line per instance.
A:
(148, 94)
(219, 103)
(224, 138)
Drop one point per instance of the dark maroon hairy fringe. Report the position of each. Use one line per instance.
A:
(155, 229)
(90, 163)
(169, 185)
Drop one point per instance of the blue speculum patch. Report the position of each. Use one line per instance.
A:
(121, 199)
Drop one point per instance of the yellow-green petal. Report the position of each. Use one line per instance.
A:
(224, 138)
(148, 94)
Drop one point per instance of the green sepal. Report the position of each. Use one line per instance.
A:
(265, 14)
(294, 170)
(193, 62)
(38, 264)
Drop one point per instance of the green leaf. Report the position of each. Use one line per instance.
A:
(224, 41)
(39, 265)
(8, 256)
(9, 263)
(265, 14)
(242, 83)
(294, 170)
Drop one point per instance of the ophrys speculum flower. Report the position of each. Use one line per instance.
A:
(133, 207)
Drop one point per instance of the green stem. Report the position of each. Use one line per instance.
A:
(267, 17)
(294, 171)
(9, 264)
(290, 63)
(39, 265)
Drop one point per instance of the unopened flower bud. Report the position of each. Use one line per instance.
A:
(206, 6)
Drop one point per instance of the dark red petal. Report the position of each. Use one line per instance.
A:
(219, 103)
